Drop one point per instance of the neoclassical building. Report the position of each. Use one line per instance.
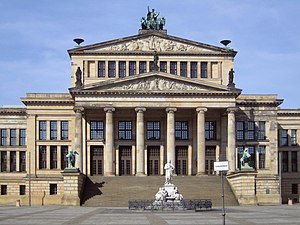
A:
(135, 103)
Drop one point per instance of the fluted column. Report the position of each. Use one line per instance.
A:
(171, 134)
(140, 142)
(231, 140)
(109, 142)
(201, 140)
(78, 138)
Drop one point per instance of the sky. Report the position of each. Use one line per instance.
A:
(36, 34)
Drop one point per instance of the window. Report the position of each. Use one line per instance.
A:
(261, 130)
(22, 161)
(194, 70)
(3, 161)
(13, 161)
(111, 69)
(132, 68)
(125, 130)
(13, 137)
(261, 156)
(64, 160)
(22, 190)
(53, 130)
(22, 135)
(163, 66)
(64, 130)
(42, 157)
(203, 69)
(101, 69)
(284, 162)
(173, 68)
(122, 69)
(151, 65)
(294, 161)
(295, 189)
(3, 137)
(153, 130)
(53, 157)
(181, 130)
(97, 130)
(53, 189)
(240, 130)
(42, 130)
(143, 68)
(210, 130)
(3, 189)
(293, 137)
(251, 130)
(183, 69)
(284, 137)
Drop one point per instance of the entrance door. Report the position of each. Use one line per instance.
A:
(153, 160)
(210, 158)
(97, 160)
(181, 160)
(125, 160)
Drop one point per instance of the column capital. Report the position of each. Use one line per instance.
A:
(109, 109)
(171, 110)
(79, 109)
(201, 110)
(231, 110)
(140, 109)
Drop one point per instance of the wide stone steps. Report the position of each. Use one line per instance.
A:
(116, 191)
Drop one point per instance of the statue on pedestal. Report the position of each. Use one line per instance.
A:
(169, 172)
(244, 163)
(71, 156)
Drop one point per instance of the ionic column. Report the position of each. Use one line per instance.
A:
(171, 134)
(109, 142)
(231, 140)
(140, 142)
(78, 138)
(201, 141)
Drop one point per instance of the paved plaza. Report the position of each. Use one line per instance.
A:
(120, 216)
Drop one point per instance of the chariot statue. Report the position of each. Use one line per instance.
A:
(152, 21)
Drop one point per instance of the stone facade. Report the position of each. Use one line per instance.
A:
(127, 114)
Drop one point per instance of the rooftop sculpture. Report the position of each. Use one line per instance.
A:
(152, 21)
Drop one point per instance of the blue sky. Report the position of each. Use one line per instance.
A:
(36, 34)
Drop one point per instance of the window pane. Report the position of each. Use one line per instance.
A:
(101, 69)
(3, 137)
(173, 68)
(22, 134)
(13, 137)
(132, 68)
(181, 130)
(122, 68)
(261, 130)
(183, 69)
(64, 130)
(42, 130)
(142, 67)
(194, 70)
(53, 130)
(125, 130)
(111, 69)
(163, 66)
(203, 69)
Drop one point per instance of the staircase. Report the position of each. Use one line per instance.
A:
(116, 191)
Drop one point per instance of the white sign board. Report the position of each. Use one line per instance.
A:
(221, 166)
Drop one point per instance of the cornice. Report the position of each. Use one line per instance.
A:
(13, 111)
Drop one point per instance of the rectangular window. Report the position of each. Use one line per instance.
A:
(240, 130)
(203, 69)
(132, 68)
(111, 69)
(295, 189)
(284, 162)
(262, 156)
(194, 70)
(53, 157)
(122, 69)
(3, 161)
(252, 159)
(143, 68)
(97, 130)
(163, 66)
(64, 130)
(294, 161)
(53, 189)
(153, 130)
(3, 189)
(13, 161)
(42, 157)
(13, 137)
(183, 69)
(22, 161)
(22, 135)
(261, 130)
(210, 130)
(125, 130)
(22, 190)
(53, 130)
(284, 137)
(151, 65)
(294, 137)
(181, 130)
(42, 130)
(101, 69)
(173, 68)
(64, 160)
(251, 130)
(3, 137)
